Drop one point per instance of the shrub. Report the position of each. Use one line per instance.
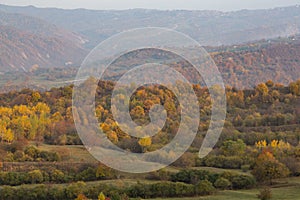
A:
(74, 189)
(35, 176)
(265, 194)
(204, 188)
(230, 162)
(87, 175)
(245, 168)
(242, 182)
(50, 156)
(32, 152)
(186, 160)
(222, 183)
(194, 176)
(57, 176)
(13, 178)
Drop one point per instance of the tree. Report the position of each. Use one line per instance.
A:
(113, 137)
(7, 135)
(270, 83)
(35, 97)
(295, 88)
(268, 168)
(145, 142)
(263, 89)
(232, 148)
(101, 196)
(138, 114)
(81, 197)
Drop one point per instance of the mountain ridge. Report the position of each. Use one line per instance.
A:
(207, 27)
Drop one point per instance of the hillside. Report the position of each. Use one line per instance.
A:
(27, 42)
(245, 66)
(32, 38)
(241, 66)
(42, 155)
(208, 27)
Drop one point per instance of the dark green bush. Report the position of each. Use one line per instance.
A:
(222, 183)
(243, 182)
(194, 176)
(204, 188)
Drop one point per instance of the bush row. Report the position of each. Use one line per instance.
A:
(233, 180)
(139, 190)
(53, 176)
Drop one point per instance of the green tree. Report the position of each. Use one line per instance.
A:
(233, 148)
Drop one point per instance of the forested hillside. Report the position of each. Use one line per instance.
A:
(261, 129)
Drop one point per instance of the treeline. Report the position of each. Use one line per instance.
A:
(181, 184)
(53, 175)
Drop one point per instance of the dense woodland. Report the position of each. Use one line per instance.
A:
(261, 136)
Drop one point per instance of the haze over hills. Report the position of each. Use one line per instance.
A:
(27, 41)
(24, 51)
(33, 37)
(208, 27)
(241, 66)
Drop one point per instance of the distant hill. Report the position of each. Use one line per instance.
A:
(245, 66)
(27, 42)
(208, 27)
(46, 38)
(241, 66)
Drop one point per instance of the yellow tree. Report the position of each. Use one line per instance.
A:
(8, 136)
(112, 136)
(22, 110)
(35, 97)
(145, 142)
(261, 144)
(101, 196)
(21, 125)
